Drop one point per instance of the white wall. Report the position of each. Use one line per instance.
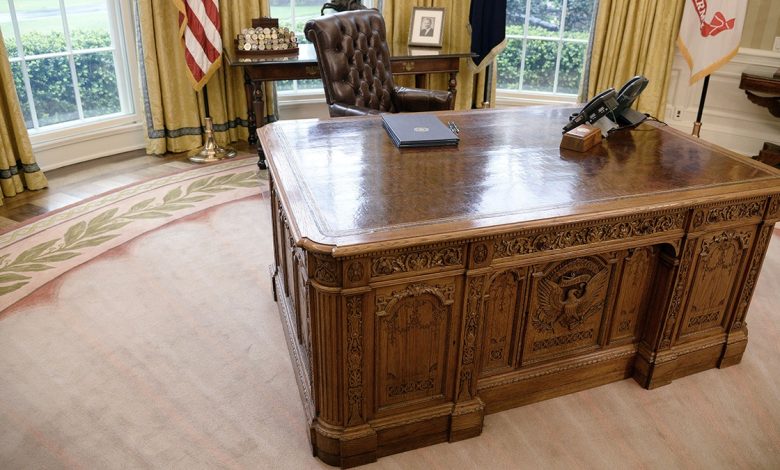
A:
(729, 119)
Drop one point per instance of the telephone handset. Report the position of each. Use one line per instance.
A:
(598, 107)
(615, 106)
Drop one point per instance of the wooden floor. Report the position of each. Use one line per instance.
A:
(76, 183)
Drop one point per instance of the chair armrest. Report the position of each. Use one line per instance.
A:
(340, 110)
(418, 99)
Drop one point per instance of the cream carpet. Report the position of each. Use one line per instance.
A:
(161, 347)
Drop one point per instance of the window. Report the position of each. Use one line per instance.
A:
(294, 14)
(68, 60)
(546, 45)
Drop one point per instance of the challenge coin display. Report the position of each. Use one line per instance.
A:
(266, 41)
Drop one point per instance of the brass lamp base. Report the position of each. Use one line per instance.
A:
(211, 152)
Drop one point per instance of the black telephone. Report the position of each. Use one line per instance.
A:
(626, 96)
(616, 106)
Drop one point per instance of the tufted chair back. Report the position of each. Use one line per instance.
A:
(354, 59)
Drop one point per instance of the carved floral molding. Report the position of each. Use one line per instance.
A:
(355, 359)
(559, 239)
(385, 303)
(325, 270)
(729, 213)
(750, 283)
(417, 261)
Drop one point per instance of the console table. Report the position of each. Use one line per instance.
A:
(422, 288)
(405, 61)
(762, 87)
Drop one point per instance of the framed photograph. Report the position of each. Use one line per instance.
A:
(427, 27)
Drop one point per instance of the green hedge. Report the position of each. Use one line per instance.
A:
(50, 79)
(540, 62)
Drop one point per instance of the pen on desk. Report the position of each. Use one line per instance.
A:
(453, 127)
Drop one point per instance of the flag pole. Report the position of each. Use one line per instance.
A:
(211, 151)
(697, 124)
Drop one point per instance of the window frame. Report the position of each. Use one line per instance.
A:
(121, 29)
(519, 96)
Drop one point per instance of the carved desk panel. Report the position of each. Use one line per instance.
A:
(423, 288)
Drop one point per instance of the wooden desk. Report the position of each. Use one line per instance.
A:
(409, 61)
(422, 288)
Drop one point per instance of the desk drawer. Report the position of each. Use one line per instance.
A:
(291, 71)
(429, 65)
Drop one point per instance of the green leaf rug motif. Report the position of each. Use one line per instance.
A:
(106, 225)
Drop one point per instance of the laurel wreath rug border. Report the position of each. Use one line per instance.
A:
(38, 252)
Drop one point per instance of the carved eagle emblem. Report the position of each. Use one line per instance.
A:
(570, 299)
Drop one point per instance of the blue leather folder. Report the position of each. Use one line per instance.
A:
(418, 130)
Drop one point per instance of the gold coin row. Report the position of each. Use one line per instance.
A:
(266, 47)
(262, 39)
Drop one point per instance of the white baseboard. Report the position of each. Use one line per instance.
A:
(74, 149)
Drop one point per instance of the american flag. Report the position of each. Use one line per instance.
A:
(199, 28)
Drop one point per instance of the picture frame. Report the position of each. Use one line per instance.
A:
(426, 28)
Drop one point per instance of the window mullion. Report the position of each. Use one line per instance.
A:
(293, 24)
(49, 55)
(560, 45)
(71, 60)
(525, 42)
(118, 53)
(90, 51)
(25, 72)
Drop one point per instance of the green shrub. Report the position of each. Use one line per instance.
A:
(51, 82)
(540, 62)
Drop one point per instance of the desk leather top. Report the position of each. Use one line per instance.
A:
(343, 183)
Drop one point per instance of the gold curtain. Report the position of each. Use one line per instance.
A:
(457, 35)
(174, 112)
(635, 37)
(18, 169)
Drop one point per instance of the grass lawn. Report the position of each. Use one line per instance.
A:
(44, 16)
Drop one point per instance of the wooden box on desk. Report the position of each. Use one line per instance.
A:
(581, 138)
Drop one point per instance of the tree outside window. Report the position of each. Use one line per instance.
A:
(546, 45)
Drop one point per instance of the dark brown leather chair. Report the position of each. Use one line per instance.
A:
(354, 64)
